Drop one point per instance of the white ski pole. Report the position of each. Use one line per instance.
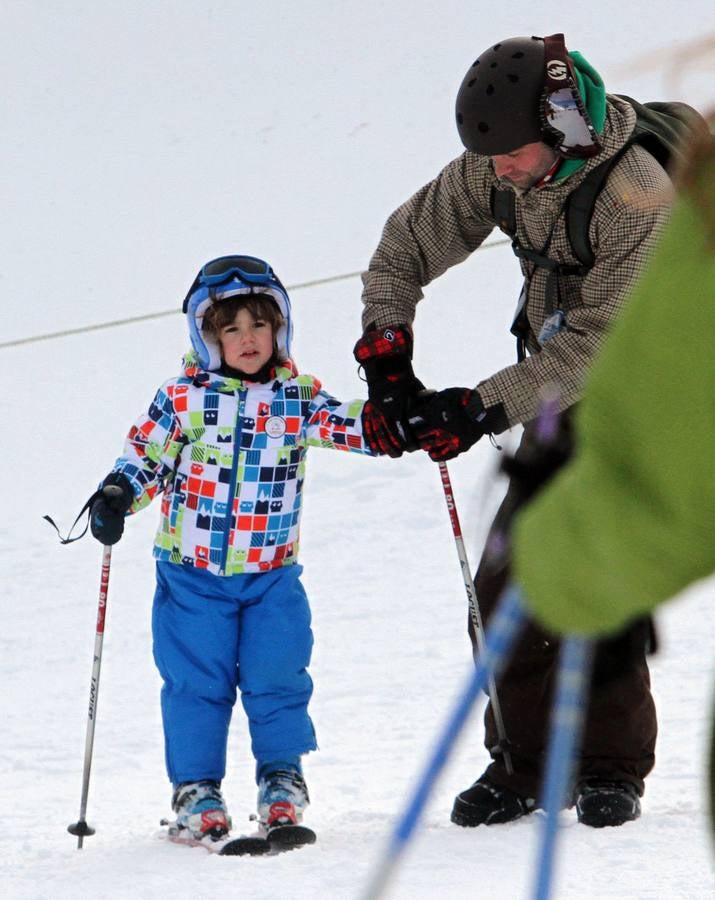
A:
(81, 828)
(477, 624)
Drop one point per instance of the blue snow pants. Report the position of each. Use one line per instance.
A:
(215, 633)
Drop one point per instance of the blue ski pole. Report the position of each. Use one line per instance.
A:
(505, 626)
(567, 718)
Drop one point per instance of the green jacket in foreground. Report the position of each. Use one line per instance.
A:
(631, 520)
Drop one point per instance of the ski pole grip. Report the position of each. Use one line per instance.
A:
(416, 419)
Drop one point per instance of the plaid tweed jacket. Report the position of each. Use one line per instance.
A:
(445, 221)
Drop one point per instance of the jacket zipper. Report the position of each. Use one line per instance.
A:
(237, 432)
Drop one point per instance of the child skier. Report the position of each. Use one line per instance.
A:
(225, 442)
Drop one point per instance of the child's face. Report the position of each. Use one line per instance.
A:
(246, 343)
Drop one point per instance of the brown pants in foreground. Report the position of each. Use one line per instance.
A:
(620, 730)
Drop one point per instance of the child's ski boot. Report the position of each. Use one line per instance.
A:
(201, 810)
(282, 798)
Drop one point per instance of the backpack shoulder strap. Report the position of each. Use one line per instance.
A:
(503, 208)
(579, 209)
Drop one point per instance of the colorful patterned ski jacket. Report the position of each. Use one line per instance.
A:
(229, 457)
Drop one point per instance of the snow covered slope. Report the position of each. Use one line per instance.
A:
(138, 140)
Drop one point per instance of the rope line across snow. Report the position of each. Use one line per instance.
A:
(100, 326)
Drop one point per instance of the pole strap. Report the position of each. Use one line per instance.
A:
(68, 539)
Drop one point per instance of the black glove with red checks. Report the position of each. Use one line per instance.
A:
(449, 422)
(386, 357)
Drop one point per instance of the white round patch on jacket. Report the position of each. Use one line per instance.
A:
(275, 426)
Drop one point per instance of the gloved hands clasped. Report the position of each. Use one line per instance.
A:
(386, 357)
(106, 515)
(448, 422)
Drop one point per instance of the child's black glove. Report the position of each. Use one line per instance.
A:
(448, 422)
(106, 515)
(386, 357)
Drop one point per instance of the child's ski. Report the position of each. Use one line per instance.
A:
(244, 845)
(289, 837)
(277, 840)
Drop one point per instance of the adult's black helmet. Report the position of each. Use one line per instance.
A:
(498, 104)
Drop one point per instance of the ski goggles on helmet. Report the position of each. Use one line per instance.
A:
(248, 269)
(565, 121)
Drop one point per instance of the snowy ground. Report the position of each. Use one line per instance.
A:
(139, 142)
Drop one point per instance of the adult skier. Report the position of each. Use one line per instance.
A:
(535, 121)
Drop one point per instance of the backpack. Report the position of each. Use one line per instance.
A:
(663, 129)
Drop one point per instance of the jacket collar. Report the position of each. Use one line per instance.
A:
(229, 385)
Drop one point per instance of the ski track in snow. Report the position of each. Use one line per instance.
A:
(129, 167)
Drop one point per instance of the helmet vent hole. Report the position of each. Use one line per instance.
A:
(513, 78)
(460, 119)
(493, 65)
(470, 83)
(496, 46)
(490, 90)
(517, 55)
(483, 127)
(475, 63)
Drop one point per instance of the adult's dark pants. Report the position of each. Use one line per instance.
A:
(620, 729)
